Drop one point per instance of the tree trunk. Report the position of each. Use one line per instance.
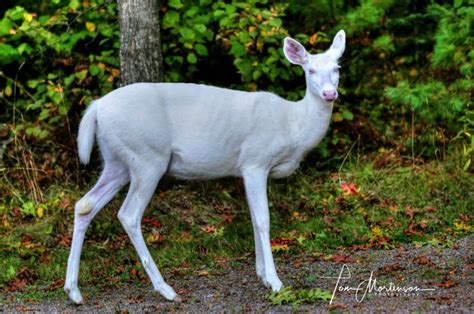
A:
(140, 52)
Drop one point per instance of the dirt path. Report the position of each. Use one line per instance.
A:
(448, 270)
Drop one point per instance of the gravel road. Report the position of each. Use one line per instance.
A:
(449, 271)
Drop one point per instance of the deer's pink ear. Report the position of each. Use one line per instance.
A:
(294, 51)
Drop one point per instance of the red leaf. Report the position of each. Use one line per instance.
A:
(447, 283)
(17, 284)
(393, 267)
(209, 229)
(349, 189)
(410, 211)
(152, 221)
(423, 260)
(16, 212)
(281, 241)
(56, 285)
(411, 231)
(341, 258)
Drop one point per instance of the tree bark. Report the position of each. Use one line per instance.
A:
(140, 51)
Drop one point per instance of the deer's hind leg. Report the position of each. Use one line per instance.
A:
(114, 176)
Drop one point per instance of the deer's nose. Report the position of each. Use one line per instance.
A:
(330, 94)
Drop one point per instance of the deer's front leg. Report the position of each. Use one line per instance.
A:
(256, 189)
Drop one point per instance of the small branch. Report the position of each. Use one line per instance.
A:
(19, 85)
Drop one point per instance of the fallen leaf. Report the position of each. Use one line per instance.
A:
(393, 267)
(440, 299)
(64, 240)
(281, 244)
(341, 258)
(204, 273)
(447, 283)
(152, 221)
(209, 229)
(16, 212)
(155, 238)
(336, 306)
(411, 230)
(410, 211)
(349, 189)
(423, 260)
(56, 285)
(359, 247)
(17, 284)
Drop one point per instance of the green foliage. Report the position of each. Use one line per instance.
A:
(288, 295)
(53, 64)
(406, 58)
(250, 33)
(406, 76)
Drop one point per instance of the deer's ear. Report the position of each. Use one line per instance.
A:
(294, 51)
(338, 45)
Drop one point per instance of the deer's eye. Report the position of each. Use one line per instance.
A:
(312, 71)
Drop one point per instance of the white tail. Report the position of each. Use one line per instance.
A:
(201, 132)
(85, 138)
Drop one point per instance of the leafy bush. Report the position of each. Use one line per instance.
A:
(53, 65)
(405, 84)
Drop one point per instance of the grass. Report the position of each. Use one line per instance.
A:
(200, 226)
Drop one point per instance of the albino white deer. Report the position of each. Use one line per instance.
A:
(191, 131)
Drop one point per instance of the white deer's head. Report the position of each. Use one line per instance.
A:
(321, 70)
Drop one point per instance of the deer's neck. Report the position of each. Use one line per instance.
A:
(310, 120)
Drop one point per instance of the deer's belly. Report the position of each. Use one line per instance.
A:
(200, 165)
(283, 169)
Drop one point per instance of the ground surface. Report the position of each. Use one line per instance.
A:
(235, 287)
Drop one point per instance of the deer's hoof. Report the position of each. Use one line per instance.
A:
(74, 295)
(273, 282)
(168, 293)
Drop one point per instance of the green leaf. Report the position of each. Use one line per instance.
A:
(192, 11)
(237, 49)
(170, 19)
(94, 69)
(81, 75)
(68, 80)
(186, 33)
(245, 68)
(256, 74)
(62, 110)
(74, 4)
(347, 115)
(457, 3)
(24, 47)
(106, 30)
(7, 52)
(467, 165)
(219, 13)
(201, 50)
(16, 13)
(5, 26)
(275, 22)
(32, 83)
(191, 58)
(201, 28)
(176, 4)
